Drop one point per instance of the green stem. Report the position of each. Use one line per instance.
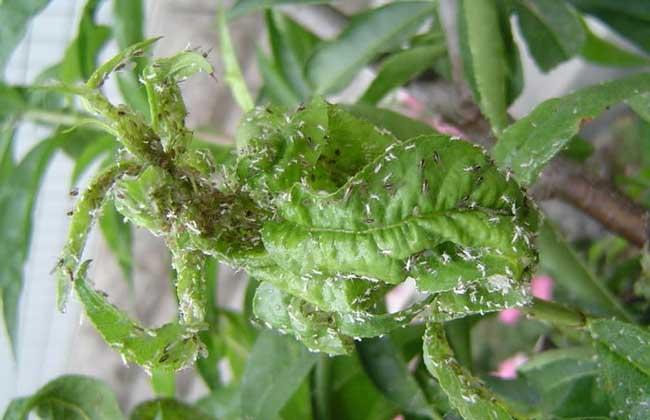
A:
(54, 117)
(557, 314)
(163, 383)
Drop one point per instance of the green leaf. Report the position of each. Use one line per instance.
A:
(14, 18)
(233, 75)
(166, 106)
(566, 382)
(624, 366)
(276, 85)
(388, 371)
(129, 19)
(68, 397)
(606, 53)
(399, 68)
(89, 152)
(352, 395)
(163, 383)
(275, 369)
(559, 260)
(629, 18)
(336, 63)
(117, 234)
(343, 234)
(402, 127)
(530, 143)
(243, 7)
(17, 195)
(128, 23)
(167, 409)
(223, 403)
(80, 58)
(484, 58)
(290, 44)
(469, 396)
(552, 29)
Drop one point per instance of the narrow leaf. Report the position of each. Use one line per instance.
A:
(388, 371)
(17, 195)
(275, 369)
(559, 259)
(399, 68)
(484, 58)
(243, 7)
(529, 144)
(117, 234)
(14, 18)
(552, 29)
(233, 74)
(336, 63)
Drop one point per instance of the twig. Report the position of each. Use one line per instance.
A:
(561, 179)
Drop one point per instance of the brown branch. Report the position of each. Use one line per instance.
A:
(561, 179)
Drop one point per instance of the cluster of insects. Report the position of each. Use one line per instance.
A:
(326, 210)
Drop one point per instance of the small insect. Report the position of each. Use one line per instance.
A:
(74, 192)
(436, 157)
(69, 213)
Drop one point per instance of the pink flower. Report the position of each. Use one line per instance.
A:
(508, 368)
(541, 287)
(509, 316)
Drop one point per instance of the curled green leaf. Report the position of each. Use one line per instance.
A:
(466, 393)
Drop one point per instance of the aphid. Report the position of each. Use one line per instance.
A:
(425, 186)
(74, 192)
(436, 157)
(69, 213)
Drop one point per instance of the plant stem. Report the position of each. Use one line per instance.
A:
(556, 313)
(54, 117)
(163, 383)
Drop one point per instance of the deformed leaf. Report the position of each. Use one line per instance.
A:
(71, 397)
(466, 393)
(529, 144)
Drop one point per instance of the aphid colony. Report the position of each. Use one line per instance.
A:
(328, 211)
